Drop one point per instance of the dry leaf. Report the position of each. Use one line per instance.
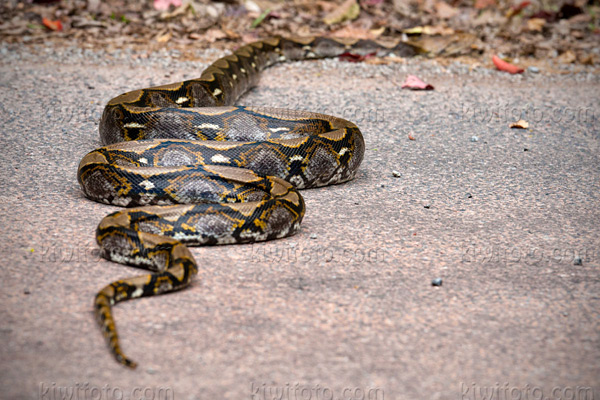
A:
(163, 38)
(52, 25)
(536, 24)
(505, 66)
(163, 5)
(411, 137)
(481, 4)
(347, 11)
(414, 83)
(520, 124)
(567, 57)
(445, 11)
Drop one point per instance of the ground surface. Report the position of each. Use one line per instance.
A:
(499, 214)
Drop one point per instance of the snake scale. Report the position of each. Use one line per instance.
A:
(192, 169)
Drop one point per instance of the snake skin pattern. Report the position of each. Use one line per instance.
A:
(196, 170)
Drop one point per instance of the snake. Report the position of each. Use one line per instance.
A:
(191, 168)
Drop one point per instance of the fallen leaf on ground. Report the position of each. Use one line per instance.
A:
(347, 11)
(505, 66)
(536, 24)
(481, 4)
(520, 124)
(444, 11)
(567, 57)
(52, 25)
(411, 137)
(429, 30)
(514, 10)
(352, 57)
(163, 5)
(414, 83)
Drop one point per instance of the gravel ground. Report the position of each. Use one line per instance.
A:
(506, 218)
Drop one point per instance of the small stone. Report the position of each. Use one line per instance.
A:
(313, 235)
(26, 291)
(382, 185)
(577, 261)
(474, 139)
(436, 282)
(427, 206)
(396, 174)
(533, 70)
(469, 196)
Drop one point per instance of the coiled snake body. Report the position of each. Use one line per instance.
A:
(196, 170)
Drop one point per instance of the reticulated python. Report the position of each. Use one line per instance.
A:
(206, 172)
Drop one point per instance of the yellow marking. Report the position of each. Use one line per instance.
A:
(295, 142)
(243, 70)
(234, 76)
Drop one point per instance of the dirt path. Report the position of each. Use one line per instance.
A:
(499, 214)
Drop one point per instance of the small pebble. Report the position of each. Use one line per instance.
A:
(396, 174)
(26, 291)
(436, 282)
(533, 70)
(474, 139)
(382, 185)
(577, 261)
(469, 196)
(427, 206)
(313, 235)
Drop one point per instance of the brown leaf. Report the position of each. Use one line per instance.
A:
(568, 57)
(444, 11)
(348, 10)
(536, 24)
(481, 4)
(520, 124)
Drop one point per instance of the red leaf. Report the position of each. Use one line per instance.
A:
(414, 83)
(504, 66)
(352, 57)
(52, 25)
